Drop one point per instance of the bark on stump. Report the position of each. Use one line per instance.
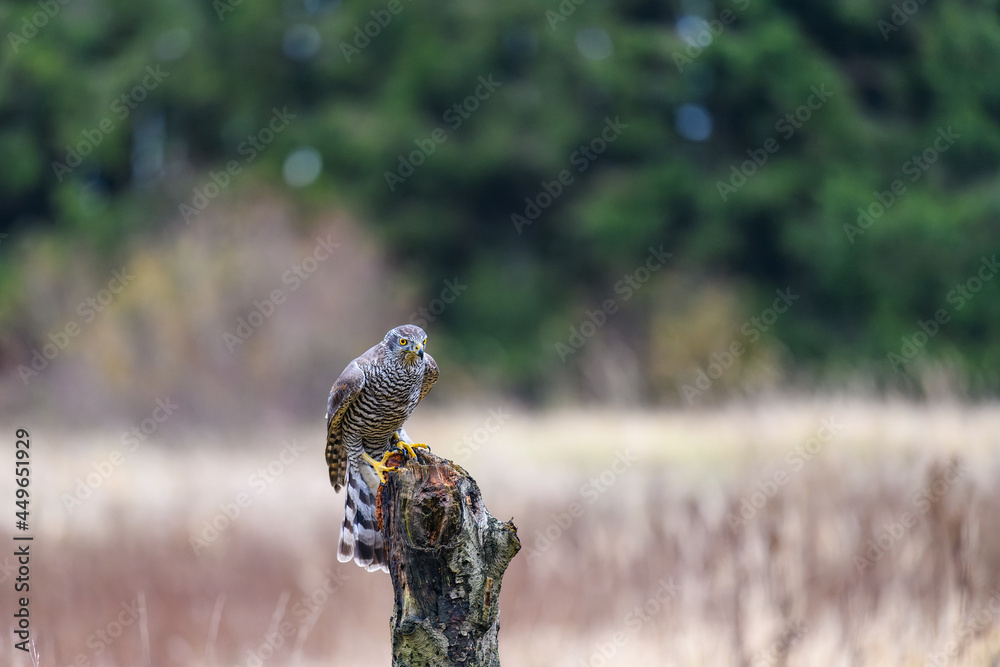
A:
(447, 557)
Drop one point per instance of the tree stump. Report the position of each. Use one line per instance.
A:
(447, 557)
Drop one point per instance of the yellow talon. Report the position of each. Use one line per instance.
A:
(380, 467)
(410, 446)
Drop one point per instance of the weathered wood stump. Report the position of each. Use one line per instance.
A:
(447, 557)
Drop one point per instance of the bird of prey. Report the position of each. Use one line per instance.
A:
(368, 404)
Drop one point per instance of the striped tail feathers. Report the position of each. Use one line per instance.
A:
(360, 538)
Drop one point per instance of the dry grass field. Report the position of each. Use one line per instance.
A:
(789, 533)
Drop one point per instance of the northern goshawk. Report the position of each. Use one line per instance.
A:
(368, 404)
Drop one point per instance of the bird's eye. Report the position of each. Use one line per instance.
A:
(402, 341)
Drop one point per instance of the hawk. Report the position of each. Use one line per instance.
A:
(368, 404)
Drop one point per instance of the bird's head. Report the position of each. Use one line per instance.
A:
(407, 343)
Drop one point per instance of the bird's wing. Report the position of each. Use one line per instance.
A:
(430, 375)
(345, 390)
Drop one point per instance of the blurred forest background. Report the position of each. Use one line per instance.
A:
(844, 153)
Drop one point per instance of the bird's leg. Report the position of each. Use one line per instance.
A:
(380, 467)
(408, 447)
